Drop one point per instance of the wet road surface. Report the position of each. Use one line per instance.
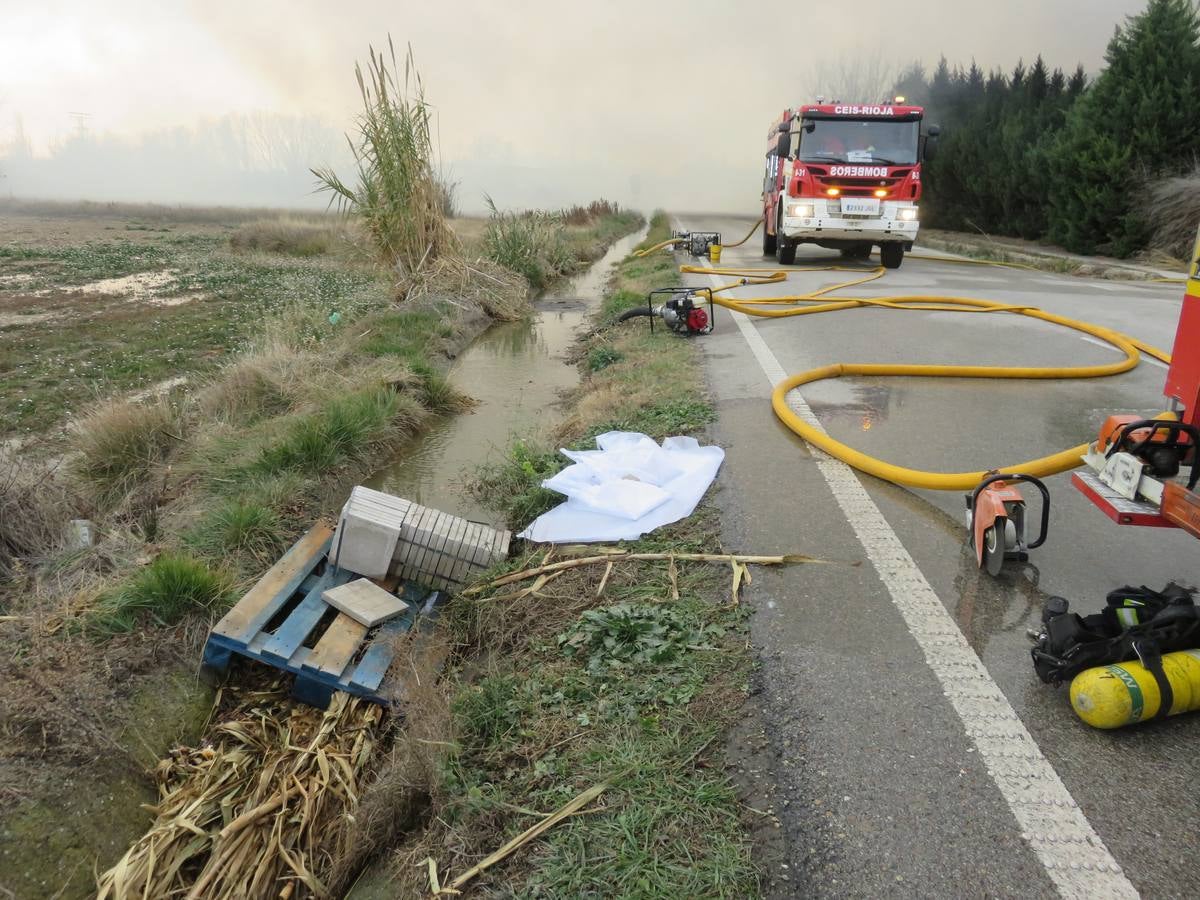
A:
(882, 785)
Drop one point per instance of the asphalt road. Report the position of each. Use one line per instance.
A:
(864, 749)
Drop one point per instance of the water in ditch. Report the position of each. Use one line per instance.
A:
(516, 372)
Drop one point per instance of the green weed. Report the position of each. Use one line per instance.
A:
(165, 591)
(348, 428)
(629, 636)
(602, 357)
(514, 485)
(492, 711)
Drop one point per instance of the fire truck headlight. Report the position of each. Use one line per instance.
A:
(907, 215)
(800, 210)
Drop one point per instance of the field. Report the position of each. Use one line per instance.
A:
(93, 305)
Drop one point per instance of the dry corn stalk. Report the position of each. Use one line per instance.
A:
(261, 811)
(609, 556)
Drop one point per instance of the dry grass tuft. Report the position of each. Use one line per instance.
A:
(405, 780)
(35, 506)
(120, 445)
(293, 235)
(486, 285)
(262, 382)
(1172, 206)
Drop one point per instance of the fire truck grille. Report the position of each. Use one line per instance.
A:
(859, 187)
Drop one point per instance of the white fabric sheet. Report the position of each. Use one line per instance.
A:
(627, 487)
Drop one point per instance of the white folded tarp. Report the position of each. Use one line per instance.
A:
(626, 488)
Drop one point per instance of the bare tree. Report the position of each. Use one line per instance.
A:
(862, 77)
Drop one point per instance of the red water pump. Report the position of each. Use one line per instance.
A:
(685, 310)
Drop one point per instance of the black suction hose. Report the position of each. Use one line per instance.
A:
(635, 312)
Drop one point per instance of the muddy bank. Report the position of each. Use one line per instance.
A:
(58, 818)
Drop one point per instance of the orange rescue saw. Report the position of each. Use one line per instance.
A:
(996, 520)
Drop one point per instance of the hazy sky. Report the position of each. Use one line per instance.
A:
(539, 102)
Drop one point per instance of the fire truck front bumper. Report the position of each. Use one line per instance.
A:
(893, 224)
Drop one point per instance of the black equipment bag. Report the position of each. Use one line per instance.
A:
(1136, 623)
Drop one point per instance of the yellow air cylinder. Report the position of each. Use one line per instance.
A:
(1126, 693)
(714, 252)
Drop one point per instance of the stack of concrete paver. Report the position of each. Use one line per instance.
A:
(379, 535)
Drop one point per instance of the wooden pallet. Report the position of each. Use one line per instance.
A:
(283, 622)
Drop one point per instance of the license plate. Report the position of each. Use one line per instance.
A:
(860, 206)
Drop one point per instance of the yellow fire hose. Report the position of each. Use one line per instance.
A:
(819, 302)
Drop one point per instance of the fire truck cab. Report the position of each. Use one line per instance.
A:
(846, 177)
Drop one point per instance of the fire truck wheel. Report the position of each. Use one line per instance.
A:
(785, 250)
(891, 255)
(768, 242)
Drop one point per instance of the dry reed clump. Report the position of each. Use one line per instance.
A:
(261, 810)
(35, 506)
(1172, 206)
(531, 243)
(293, 235)
(121, 443)
(585, 215)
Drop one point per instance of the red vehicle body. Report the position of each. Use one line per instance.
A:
(847, 177)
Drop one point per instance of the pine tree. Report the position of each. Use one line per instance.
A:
(912, 86)
(1137, 120)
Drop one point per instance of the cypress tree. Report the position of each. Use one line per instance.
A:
(1136, 121)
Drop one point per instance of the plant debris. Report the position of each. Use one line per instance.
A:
(261, 810)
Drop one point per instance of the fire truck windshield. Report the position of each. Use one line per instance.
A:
(859, 141)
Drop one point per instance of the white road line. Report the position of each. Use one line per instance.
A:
(1055, 828)
(1144, 357)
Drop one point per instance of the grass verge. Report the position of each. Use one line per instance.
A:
(624, 676)
(1013, 252)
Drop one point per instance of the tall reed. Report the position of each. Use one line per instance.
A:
(397, 195)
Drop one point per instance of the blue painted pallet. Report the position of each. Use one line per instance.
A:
(283, 622)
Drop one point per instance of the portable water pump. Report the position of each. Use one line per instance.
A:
(683, 310)
(697, 243)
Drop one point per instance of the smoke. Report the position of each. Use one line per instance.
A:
(538, 103)
(258, 159)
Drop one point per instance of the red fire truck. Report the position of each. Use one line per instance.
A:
(846, 177)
